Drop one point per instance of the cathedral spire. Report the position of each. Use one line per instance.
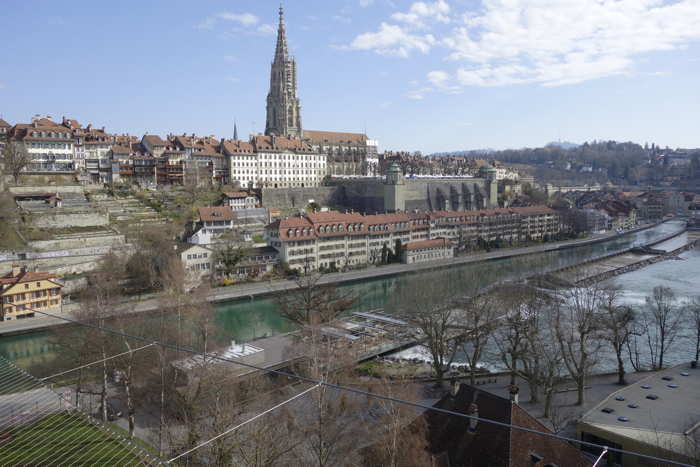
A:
(283, 107)
(235, 131)
(281, 51)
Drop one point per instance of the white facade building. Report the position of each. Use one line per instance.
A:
(50, 146)
(274, 162)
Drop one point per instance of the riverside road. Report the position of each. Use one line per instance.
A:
(251, 290)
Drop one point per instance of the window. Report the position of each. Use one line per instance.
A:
(26, 286)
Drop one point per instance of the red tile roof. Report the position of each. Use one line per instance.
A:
(277, 143)
(26, 277)
(334, 223)
(4, 124)
(237, 147)
(216, 213)
(335, 138)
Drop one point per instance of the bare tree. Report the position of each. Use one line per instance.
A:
(694, 316)
(430, 307)
(97, 306)
(147, 268)
(329, 426)
(477, 318)
(616, 327)
(313, 303)
(402, 431)
(511, 334)
(576, 328)
(663, 320)
(15, 159)
(542, 362)
(550, 369)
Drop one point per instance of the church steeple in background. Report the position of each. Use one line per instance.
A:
(235, 131)
(283, 107)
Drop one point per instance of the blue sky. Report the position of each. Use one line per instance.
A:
(432, 76)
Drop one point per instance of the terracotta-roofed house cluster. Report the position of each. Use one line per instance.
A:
(263, 161)
(334, 240)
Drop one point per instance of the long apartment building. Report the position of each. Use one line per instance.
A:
(334, 239)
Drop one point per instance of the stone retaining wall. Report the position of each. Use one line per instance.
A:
(82, 242)
(64, 220)
(24, 190)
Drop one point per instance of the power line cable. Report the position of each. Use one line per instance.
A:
(94, 363)
(234, 428)
(365, 393)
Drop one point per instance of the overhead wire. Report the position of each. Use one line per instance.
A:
(34, 402)
(365, 393)
(234, 428)
(94, 363)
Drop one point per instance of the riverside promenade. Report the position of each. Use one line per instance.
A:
(251, 290)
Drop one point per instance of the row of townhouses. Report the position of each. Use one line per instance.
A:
(262, 161)
(336, 240)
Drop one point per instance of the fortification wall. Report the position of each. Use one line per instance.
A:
(281, 198)
(457, 194)
(367, 195)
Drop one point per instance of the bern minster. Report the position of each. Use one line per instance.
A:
(349, 154)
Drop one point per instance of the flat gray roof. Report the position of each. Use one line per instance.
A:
(676, 410)
(382, 318)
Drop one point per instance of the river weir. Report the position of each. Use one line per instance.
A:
(246, 320)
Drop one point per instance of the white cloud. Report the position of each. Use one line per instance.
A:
(266, 29)
(421, 12)
(244, 19)
(366, 3)
(556, 42)
(544, 42)
(418, 94)
(393, 40)
(438, 77)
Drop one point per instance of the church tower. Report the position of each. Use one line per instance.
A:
(283, 108)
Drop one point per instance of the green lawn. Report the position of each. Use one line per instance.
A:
(66, 438)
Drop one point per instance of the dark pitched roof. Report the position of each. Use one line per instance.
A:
(154, 140)
(490, 445)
